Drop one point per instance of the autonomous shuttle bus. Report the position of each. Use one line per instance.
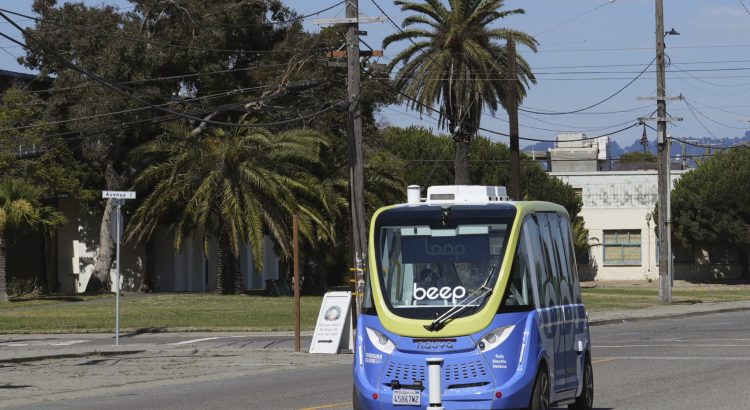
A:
(472, 302)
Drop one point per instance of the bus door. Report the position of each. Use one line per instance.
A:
(554, 318)
(567, 301)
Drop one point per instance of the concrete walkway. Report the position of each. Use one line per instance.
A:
(19, 348)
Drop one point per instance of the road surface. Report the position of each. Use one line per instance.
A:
(699, 362)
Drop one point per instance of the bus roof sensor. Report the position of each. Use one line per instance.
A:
(466, 194)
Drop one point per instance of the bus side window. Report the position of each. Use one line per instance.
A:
(566, 290)
(567, 235)
(520, 292)
(536, 261)
(550, 280)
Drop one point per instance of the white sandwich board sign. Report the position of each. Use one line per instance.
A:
(333, 331)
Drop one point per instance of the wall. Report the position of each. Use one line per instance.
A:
(78, 243)
(618, 200)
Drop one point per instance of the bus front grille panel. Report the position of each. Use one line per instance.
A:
(460, 372)
(405, 372)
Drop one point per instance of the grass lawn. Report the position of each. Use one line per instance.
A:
(611, 298)
(165, 312)
(210, 312)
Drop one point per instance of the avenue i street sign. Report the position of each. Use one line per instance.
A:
(116, 219)
(118, 195)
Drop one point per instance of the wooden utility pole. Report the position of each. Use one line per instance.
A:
(515, 162)
(295, 240)
(665, 260)
(354, 136)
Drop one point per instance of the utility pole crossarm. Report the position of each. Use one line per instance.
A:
(660, 119)
(350, 20)
(678, 98)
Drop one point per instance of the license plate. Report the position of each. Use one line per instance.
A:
(404, 397)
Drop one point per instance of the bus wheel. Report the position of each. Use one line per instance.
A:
(586, 400)
(540, 395)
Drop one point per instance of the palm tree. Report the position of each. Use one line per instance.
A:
(457, 62)
(21, 206)
(236, 186)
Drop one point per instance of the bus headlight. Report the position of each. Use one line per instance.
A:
(380, 341)
(494, 338)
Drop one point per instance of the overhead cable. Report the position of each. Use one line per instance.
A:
(119, 90)
(592, 105)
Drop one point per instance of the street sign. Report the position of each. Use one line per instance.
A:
(333, 331)
(115, 231)
(118, 194)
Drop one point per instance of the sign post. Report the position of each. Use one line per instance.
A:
(118, 198)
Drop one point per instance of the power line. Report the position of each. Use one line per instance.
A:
(711, 119)
(173, 77)
(595, 104)
(313, 83)
(168, 45)
(426, 107)
(744, 7)
(117, 89)
(699, 121)
(608, 2)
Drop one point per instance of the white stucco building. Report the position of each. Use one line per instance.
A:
(618, 204)
(617, 210)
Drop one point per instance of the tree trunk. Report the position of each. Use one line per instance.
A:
(3, 281)
(461, 162)
(228, 277)
(103, 262)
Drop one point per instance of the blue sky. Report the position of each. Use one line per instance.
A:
(589, 49)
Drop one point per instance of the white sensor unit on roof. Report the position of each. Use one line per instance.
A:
(466, 194)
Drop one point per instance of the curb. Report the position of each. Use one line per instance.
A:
(602, 322)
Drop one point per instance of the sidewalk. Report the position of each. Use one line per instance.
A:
(42, 347)
(666, 311)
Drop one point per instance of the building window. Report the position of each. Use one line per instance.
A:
(578, 192)
(622, 247)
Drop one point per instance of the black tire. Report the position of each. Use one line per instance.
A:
(540, 394)
(586, 400)
(355, 398)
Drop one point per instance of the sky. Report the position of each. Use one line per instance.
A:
(589, 51)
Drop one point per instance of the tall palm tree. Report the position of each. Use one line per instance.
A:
(236, 186)
(458, 62)
(21, 207)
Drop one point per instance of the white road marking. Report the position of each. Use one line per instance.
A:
(689, 340)
(185, 342)
(711, 358)
(596, 346)
(68, 343)
(14, 344)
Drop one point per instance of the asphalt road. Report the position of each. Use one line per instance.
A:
(699, 362)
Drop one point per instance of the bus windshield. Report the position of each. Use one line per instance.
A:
(426, 270)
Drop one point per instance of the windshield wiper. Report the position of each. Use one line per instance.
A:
(481, 292)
